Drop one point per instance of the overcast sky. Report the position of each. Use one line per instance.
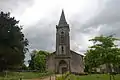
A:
(87, 18)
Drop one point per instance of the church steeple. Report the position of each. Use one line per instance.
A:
(62, 37)
(62, 19)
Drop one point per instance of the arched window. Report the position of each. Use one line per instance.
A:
(62, 33)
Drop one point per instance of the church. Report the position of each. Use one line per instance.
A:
(64, 59)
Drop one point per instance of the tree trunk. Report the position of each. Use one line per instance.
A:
(110, 76)
(109, 70)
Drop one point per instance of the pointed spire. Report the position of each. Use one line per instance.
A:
(62, 18)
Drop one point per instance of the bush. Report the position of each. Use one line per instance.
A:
(63, 77)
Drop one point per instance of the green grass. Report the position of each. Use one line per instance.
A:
(90, 77)
(23, 75)
(97, 77)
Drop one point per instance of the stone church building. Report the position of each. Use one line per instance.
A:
(64, 59)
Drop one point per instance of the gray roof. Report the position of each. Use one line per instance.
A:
(70, 51)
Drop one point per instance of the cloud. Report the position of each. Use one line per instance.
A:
(16, 7)
(109, 15)
(106, 21)
(41, 36)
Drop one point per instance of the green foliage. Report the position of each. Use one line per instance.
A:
(24, 67)
(104, 51)
(63, 77)
(12, 42)
(38, 60)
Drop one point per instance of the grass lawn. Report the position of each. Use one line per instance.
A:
(88, 77)
(23, 75)
(94, 77)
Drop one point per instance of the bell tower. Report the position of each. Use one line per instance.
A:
(62, 57)
(62, 37)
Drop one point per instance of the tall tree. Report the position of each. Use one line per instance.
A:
(32, 61)
(13, 45)
(38, 60)
(104, 51)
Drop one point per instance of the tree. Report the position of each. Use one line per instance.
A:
(24, 67)
(91, 59)
(38, 60)
(32, 62)
(104, 51)
(13, 45)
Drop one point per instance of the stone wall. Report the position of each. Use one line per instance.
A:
(77, 65)
(50, 62)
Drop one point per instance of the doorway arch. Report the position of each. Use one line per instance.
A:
(63, 66)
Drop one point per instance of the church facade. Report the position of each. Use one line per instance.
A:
(64, 59)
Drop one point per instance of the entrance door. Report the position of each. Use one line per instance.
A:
(64, 69)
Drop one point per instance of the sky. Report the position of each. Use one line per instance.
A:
(86, 19)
